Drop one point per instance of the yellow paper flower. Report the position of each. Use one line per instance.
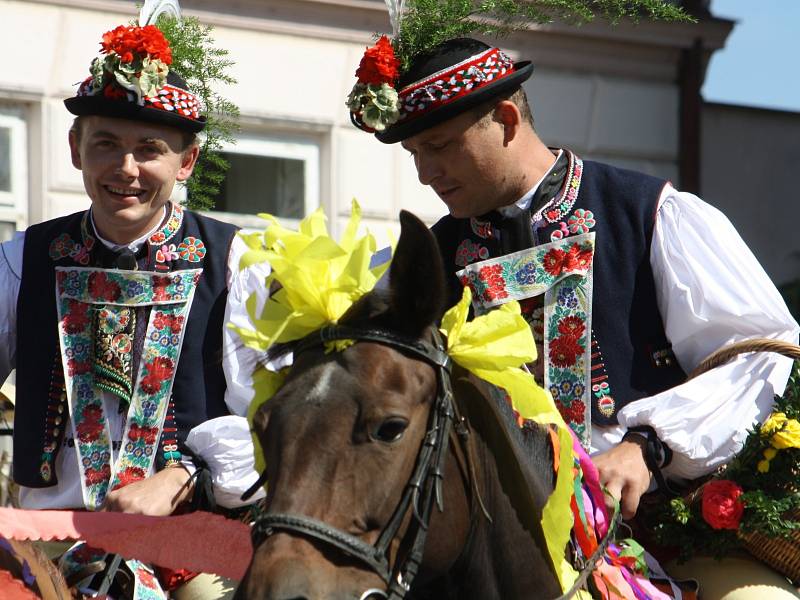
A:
(493, 347)
(320, 279)
(265, 384)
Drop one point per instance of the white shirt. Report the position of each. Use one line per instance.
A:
(224, 442)
(711, 292)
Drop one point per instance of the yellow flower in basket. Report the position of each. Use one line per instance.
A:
(788, 436)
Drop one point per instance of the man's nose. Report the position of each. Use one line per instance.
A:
(128, 165)
(428, 170)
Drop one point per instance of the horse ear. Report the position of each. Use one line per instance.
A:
(416, 278)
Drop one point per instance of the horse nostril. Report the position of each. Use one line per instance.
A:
(373, 594)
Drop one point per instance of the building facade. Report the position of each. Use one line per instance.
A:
(610, 93)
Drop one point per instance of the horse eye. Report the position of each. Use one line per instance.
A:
(391, 430)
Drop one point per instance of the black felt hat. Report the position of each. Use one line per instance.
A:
(455, 76)
(173, 105)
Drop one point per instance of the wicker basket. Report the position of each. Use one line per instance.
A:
(780, 553)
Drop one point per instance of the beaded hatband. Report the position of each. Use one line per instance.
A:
(450, 84)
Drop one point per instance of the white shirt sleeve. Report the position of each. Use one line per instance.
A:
(224, 443)
(711, 292)
(10, 277)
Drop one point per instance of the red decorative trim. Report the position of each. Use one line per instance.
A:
(177, 100)
(452, 83)
(169, 99)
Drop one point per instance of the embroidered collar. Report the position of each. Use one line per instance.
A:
(547, 190)
(553, 174)
(170, 228)
(133, 246)
(562, 202)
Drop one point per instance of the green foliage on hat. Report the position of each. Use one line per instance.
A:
(427, 23)
(205, 69)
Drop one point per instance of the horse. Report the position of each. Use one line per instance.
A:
(392, 473)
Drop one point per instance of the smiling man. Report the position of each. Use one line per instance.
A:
(113, 317)
(627, 283)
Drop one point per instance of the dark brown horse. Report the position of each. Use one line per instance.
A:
(366, 454)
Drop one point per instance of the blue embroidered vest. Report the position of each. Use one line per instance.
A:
(630, 354)
(185, 241)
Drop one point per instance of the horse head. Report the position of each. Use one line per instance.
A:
(365, 500)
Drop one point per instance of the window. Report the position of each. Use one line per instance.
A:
(13, 171)
(272, 175)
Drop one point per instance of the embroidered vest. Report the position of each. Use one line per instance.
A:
(630, 355)
(197, 389)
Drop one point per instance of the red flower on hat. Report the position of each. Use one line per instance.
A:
(378, 65)
(722, 508)
(127, 42)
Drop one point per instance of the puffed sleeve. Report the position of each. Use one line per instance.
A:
(224, 443)
(711, 292)
(10, 277)
(238, 361)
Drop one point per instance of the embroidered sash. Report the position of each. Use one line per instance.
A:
(562, 271)
(83, 292)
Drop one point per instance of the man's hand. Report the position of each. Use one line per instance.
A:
(624, 473)
(156, 496)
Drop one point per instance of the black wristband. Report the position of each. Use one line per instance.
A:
(657, 455)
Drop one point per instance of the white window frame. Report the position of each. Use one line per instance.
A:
(275, 146)
(13, 203)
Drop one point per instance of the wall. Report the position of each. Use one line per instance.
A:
(749, 158)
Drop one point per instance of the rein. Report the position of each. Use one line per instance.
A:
(423, 489)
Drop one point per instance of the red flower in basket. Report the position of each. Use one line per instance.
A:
(378, 65)
(722, 508)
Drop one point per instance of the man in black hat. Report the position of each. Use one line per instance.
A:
(114, 316)
(628, 284)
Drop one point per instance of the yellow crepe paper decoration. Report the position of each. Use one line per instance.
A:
(265, 384)
(320, 279)
(493, 347)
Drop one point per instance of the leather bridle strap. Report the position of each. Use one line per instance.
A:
(423, 488)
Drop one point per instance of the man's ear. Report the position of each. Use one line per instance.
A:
(188, 161)
(507, 114)
(74, 150)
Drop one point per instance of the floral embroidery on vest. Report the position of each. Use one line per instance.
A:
(581, 221)
(601, 389)
(167, 253)
(64, 246)
(192, 249)
(483, 229)
(468, 252)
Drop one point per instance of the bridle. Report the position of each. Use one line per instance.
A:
(423, 489)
